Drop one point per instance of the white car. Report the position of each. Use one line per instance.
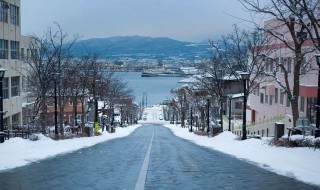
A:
(144, 118)
(160, 117)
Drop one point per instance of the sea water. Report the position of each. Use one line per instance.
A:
(153, 89)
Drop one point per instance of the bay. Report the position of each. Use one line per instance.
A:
(156, 89)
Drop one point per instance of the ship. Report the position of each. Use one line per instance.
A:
(168, 72)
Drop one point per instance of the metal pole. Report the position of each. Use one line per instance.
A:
(208, 117)
(229, 129)
(191, 120)
(221, 114)
(244, 130)
(95, 110)
(1, 113)
(318, 100)
(55, 108)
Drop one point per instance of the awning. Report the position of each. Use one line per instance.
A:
(308, 91)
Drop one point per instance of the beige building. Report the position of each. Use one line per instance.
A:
(10, 33)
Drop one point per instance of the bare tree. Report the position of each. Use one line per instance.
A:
(48, 54)
(288, 29)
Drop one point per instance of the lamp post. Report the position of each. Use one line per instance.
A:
(208, 113)
(191, 121)
(96, 124)
(56, 132)
(318, 96)
(245, 77)
(2, 72)
(230, 98)
(221, 114)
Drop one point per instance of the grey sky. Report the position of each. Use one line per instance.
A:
(186, 20)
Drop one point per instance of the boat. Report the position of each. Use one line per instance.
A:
(161, 72)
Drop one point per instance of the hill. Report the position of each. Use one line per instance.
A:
(140, 47)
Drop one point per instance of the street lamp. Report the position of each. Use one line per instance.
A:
(245, 77)
(2, 71)
(56, 132)
(191, 121)
(96, 124)
(221, 114)
(208, 113)
(318, 96)
(230, 98)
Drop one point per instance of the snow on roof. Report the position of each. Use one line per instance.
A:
(236, 95)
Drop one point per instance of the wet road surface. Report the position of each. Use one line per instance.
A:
(150, 158)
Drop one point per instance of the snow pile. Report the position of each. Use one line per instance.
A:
(17, 152)
(299, 163)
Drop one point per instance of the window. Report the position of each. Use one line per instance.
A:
(277, 64)
(266, 62)
(281, 97)
(14, 47)
(28, 54)
(5, 88)
(261, 98)
(237, 105)
(3, 49)
(289, 69)
(15, 86)
(288, 102)
(302, 99)
(270, 100)
(282, 62)
(14, 15)
(22, 53)
(267, 99)
(4, 11)
(15, 120)
(276, 95)
(271, 65)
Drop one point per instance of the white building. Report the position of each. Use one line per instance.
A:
(10, 33)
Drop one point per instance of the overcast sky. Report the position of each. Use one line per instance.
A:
(185, 20)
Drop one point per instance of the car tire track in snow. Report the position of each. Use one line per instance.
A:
(140, 184)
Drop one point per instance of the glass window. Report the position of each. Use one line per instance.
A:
(288, 102)
(289, 66)
(3, 49)
(261, 98)
(281, 97)
(302, 99)
(14, 47)
(282, 62)
(237, 105)
(15, 86)
(15, 120)
(4, 11)
(276, 95)
(5, 88)
(267, 99)
(14, 15)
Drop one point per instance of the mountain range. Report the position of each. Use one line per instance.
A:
(140, 47)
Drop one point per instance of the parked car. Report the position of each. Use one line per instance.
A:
(144, 118)
(67, 129)
(160, 117)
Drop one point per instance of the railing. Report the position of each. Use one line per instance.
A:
(17, 133)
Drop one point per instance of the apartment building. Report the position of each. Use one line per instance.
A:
(269, 99)
(10, 33)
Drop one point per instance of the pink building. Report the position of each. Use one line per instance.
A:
(270, 100)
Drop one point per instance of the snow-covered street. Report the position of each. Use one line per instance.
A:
(298, 163)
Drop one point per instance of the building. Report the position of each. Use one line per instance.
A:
(270, 100)
(10, 33)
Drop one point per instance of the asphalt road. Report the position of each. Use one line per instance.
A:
(150, 158)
